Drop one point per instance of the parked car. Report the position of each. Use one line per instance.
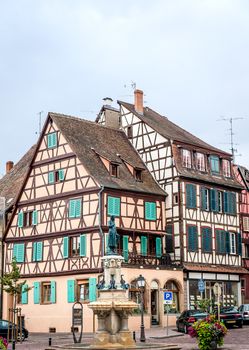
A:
(4, 330)
(244, 309)
(187, 318)
(231, 316)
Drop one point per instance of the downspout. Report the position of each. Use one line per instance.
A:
(100, 221)
(2, 261)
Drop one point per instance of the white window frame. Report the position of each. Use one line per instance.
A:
(186, 158)
(200, 161)
(220, 201)
(226, 167)
(232, 243)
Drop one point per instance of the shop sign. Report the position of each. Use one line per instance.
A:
(201, 286)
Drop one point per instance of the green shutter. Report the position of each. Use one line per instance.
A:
(77, 208)
(144, 245)
(34, 217)
(204, 204)
(52, 140)
(18, 252)
(34, 251)
(192, 238)
(125, 248)
(221, 241)
(169, 239)
(65, 247)
(24, 294)
(92, 289)
(150, 210)
(14, 254)
(51, 177)
(53, 292)
(206, 239)
(39, 251)
(71, 291)
(158, 247)
(61, 175)
(190, 196)
(214, 200)
(20, 219)
(71, 209)
(36, 292)
(113, 206)
(227, 242)
(239, 243)
(225, 202)
(232, 203)
(82, 245)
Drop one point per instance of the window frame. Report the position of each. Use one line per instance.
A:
(78, 283)
(114, 170)
(204, 168)
(50, 144)
(213, 158)
(187, 158)
(72, 240)
(226, 169)
(233, 243)
(42, 285)
(154, 209)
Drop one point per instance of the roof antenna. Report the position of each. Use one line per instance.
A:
(230, 120)
(40, 120)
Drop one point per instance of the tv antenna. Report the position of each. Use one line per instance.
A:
(40, 120)
(231, 120)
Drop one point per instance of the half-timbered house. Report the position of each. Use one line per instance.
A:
(79, 175)
(242, 175)
(202, 206)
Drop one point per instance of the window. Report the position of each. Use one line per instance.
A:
(206, 233)
(114, 169)
(229, 203)
(19, 252)
(74, 246)
(37, 251)
(82, 290)
(245, 223)
(205, 203)
(192, 238)
(27, 219)
(130, 132)
(55, 176)
(220, 239)
(200, 161)
(176, 198)
(226, 165)
(186, 158)
(52, 140)
(190, 196)
(74, 210)
(169, 239)
(246, 250)
(135, 295)
(215, 164)
(220, 201)
(150, 211)
(46, 293)
(174, 307)
(138, 174)
(232, 243)
(113, 206)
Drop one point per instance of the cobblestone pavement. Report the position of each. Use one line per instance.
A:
(236, 339)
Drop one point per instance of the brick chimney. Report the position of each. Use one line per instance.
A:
(9, 166)
(139, 104)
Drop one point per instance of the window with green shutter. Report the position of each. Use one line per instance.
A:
(150, 211)
(24, 295)
(19, 252)
(51, 177)
(36, 290)
(65, 247)
(214, 200)
(214, 164)
(126, 248)
(113, 206)
(158, 247)
(192, 238)
(204, 198)
(239, 244)
(61, 174)
(34, 217)
(206, 233)
(74, 209)
(53, 292)
(82, 245)
(190, 196)
(71, 291)
(169, 239)
(228, 248)
(144, 246)
(52, 139)
(20, 219)
(220, 240)
(37, 251)
(232, 202)
(92, 289)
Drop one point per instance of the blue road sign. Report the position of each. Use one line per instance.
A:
(168, 297)
(201, 285)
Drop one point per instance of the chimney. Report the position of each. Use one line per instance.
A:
(9, 166)
(139, 105)
(112, 116)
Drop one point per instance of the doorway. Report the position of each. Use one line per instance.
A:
(154, 296)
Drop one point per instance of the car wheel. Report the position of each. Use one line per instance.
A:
(240, 325)
(186, 329)
(20, 336)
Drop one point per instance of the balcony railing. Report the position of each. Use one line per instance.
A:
(148, 260)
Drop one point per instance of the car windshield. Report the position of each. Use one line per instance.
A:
(195, 312)
(246, 307)
(228, 309)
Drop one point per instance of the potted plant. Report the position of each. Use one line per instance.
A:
(3, 343)
(209, 333)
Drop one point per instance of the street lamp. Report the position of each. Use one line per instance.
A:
(141, 285)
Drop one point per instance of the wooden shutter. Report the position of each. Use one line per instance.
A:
(61, 174)
(228, 249)
(53, 292)
(158, 247)
(217, 241)
(204, 204)
(190, 196)
(113, 206)
(20, 252)
(214, 200)
(39, 251)
(78, 208)
(71, 291)
(20, 219)
(34, 217)
(169, 239)
(14, 254)
(24, 297)
(207, 239)
(225, 202)
(52, 140)
(51, 177)
(232, 203)
(220, 241)
(192, 238)
(82, 245)
(34, 256)
(239, 244)
(125, 248)
(49, 141)
(150, 210)
(65, 247)
(36, 292)
(72, 207)
(144, 245)
(92, 289)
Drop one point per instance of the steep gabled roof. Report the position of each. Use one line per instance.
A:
(11, 183)
(244, 172)
(170, 130)
(89, 140)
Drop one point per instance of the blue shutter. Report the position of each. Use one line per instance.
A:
(150, 210)
(19, 252)
(232, 203)
(61, 175)
(51, 177)
(82, 245)
(190, 196)
(20, 219)
(65, 247)
(36, 292)
(204, 204)
(214, 200)
(39, 251)
(72, 207)
(92, 289)
(207, 239)
(158, 247)
(125, 248)
(192, 238)
(34, 251)
(77, 208)
(71, 291)
(225, 202)
(227, 242)
(52, 140)
(144, 245)
(53, 292)
(34, 217)
(24, 296)
(113, 206)
(239, 244)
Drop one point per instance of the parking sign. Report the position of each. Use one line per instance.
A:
(168, 298)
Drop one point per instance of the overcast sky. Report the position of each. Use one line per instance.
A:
(190, 57)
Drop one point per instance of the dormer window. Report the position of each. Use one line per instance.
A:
(138, 174)
(200, 161)
(129, 132)
(226, 166)
(214, 164)
(114, 169)
(186, 158)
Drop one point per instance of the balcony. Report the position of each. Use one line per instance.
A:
(149, 261)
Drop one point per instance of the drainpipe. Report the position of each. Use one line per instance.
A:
(100, 221)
